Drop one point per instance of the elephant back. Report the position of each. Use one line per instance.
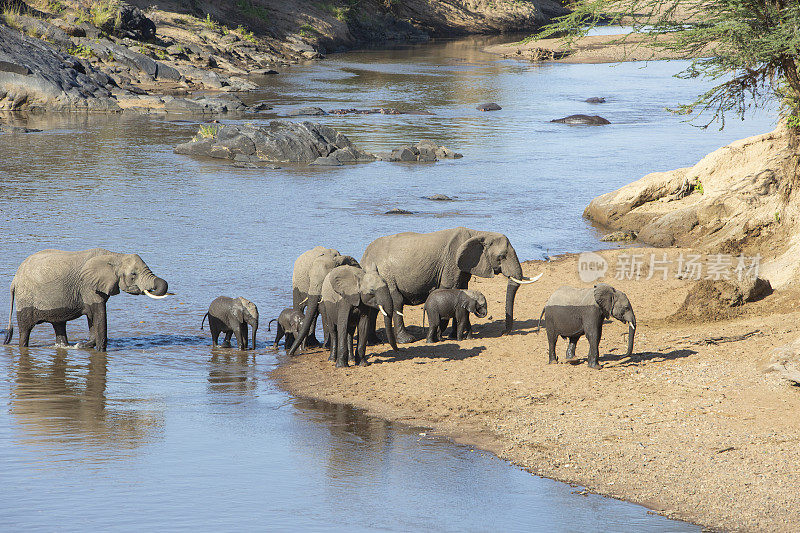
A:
(571, 296)
(50, 279)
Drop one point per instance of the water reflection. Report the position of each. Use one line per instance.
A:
(230, 371)
(61, 403)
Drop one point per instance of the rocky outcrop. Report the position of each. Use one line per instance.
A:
(33, 75)
(279, 141)
(737, 199)
(304, 142)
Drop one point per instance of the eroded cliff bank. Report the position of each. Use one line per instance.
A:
(109, 55)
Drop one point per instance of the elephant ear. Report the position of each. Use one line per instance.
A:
(349, 261)
(604, 296)
(345, 281)
(470, 258)
(237, 310)
(99, 274)
(463, 300)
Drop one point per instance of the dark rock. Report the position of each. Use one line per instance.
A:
(130, 23)
(588, 120)
(33, 75)
(327, 161)
(595, 100)
(42, 29)
(263, 72)
(398, 211)
(439, 198)
(279, 141)
(261, 106)
(446, 153)
(403, 154)
(619, 236)
(17, 129)
(490, 106)
(306, 111)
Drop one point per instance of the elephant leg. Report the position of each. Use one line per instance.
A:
(278, 336)
(361, 350)
(467, 326)
(99, 328)
(227, 341)
(460, 323)
(90, 342)
(241, 336)
(61, 333)
(552, 338)
(433, 326)
(342, 350)
(401, 334)
(290, 339)
(593, 336)
(573, 342)
(311, 340)
(372, 337)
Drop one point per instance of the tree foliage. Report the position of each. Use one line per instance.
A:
(750, 48)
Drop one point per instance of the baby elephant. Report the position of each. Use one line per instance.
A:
(571, 312)
(444, 304)
(289, 322)
(232, 316)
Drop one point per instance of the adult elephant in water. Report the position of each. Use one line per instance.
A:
(310, 269)
(414, 264)
(56, 286)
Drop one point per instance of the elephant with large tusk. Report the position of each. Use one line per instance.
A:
(414, 264)
(310, 269)
(56, 286)
(572, 312)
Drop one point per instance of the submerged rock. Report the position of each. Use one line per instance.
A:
(490, 106)
(587, 120)
(424, 151)
(595, 100)
(306, 111)
(439, 198)
(398, 211)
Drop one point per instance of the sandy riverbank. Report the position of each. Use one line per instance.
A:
(690, 428)
(590, 49)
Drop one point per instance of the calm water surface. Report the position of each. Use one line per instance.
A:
(163, 431)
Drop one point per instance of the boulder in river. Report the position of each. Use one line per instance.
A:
(587, 120)
(439, 198)
(489, 106)
(306, 112)
(595, 100)
(278, 141)
(398, 211)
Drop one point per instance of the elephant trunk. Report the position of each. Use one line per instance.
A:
(312, 308)
(255, 328)
(387, 323)
(631, 320)
(160, 287)
(511, 268)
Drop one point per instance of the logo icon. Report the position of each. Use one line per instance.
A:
(591, 267)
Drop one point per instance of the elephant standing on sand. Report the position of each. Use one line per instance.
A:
(571, 312)
(231, 316)
(348, 294)
(414, 264)
(309, 272)
(56, 286)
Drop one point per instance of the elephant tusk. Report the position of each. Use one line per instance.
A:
(382, 311)
(153, 296)
(304, 301)
(632, 326)
(401, 314)
(525, 281)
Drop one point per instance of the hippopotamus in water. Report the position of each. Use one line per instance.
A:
(589, 120)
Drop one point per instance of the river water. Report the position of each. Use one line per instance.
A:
(163, 431)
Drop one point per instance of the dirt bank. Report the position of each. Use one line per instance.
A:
(591, 49)
(690, 425)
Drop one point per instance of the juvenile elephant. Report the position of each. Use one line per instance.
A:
(289, 323)
(571, 312)
(56, 286)
(348, 294)
(444, 304)
(232, 316)
(310, 269)
(414, 264)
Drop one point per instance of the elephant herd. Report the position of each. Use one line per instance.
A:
(397, 270)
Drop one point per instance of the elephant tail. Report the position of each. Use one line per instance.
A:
(203, 321)
(270, 322)
(539, 323)
(10, 330)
